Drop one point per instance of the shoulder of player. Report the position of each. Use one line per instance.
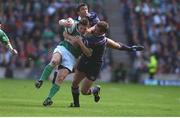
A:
(92, 15)
(76, 21)
(2, 32)
(96, 40)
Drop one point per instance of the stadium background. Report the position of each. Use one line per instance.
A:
(33, 30)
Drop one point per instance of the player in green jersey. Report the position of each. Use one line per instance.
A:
(65, 54)
(5, 40)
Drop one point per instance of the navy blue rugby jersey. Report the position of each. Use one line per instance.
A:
(92, 17)
(98, 46)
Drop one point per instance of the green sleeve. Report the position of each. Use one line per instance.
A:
(70, 30)
(3, 37)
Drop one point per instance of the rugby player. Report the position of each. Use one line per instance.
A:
(65, 55)
(5, 41)
(88, 68)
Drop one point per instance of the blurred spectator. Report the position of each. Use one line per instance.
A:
(152, 66)
(5, 57)
(154, 24)
(119, 73)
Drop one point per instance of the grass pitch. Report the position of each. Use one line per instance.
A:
(20, 98)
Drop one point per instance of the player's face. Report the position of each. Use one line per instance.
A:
(82, 29)
(83, 12)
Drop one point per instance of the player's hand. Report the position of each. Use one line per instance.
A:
(137, 48)
(78, 39)
(68, 23)
(14, 51)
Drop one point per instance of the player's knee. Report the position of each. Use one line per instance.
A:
(54, 62)
(75, 83)
(60, 78)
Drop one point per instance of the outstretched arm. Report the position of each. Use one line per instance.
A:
(115, 45)
(120, 46)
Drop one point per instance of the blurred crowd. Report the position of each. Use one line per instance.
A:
(156, 25)
(32, 26)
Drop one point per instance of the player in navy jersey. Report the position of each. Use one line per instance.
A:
(88, 68)
(82, 11)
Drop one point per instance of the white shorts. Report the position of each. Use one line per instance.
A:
(67, 59)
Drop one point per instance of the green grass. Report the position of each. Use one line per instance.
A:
(20, 98)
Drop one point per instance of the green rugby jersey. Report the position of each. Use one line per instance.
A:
(3, 37)
(76, 51)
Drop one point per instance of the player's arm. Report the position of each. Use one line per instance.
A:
(87, 51)
(78, 40)
(66, 22)
(120, 46)
(89, 30)
(69, 25)
(116, 45)
(5, 40)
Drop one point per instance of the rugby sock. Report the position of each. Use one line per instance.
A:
(47, 71)
(54, 89)
(75, 94)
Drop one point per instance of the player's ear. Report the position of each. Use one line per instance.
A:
(78, 13)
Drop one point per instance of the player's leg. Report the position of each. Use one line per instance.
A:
(56, 73)
(67, 64)
(55, 60)
(78, 77)
(92, 74)
(61, 75)
(87, 89)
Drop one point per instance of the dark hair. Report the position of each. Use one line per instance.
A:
(81, 5)
(84, 22)
(103, 26)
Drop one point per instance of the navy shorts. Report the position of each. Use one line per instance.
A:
(90, 68)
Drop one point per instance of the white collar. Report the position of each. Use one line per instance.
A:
(79, 18)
